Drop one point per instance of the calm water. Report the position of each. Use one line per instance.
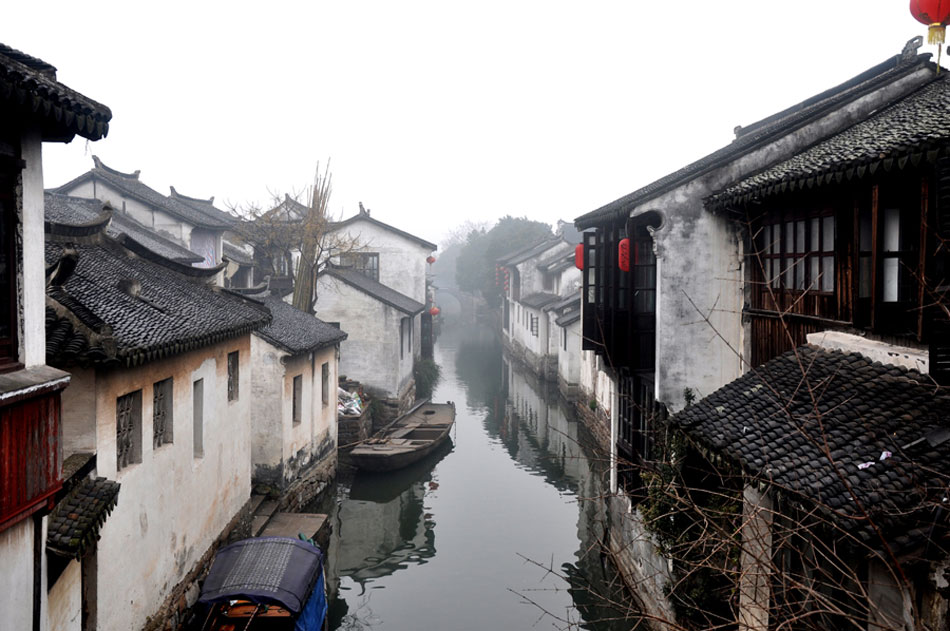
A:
(466, 539)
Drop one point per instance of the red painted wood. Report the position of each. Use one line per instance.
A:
(30, 456)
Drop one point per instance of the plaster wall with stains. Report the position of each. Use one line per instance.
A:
(282, 448)
(65, 600)
(371, 352)
(32, 289)
(175, 501)
(16, 579)
(402, 261)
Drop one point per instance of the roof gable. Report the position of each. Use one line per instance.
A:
(364, 215)
(376, 290)
(767, 131)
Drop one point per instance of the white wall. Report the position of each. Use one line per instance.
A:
(370, 354)
(16, 579)
(402, 261)
(172, 505)
(65, 600)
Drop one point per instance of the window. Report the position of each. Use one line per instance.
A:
(233, 376)
(298, 399)
(325, 383)
(402, 338)
(534, 325)
(564, 338)
(128, 429)
(799, 253)
(162, 413)
(366, 263)
(198, 416)
(409, 328)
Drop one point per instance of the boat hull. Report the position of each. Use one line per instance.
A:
(408, 439)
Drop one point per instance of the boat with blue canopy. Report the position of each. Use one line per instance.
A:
(266, 584)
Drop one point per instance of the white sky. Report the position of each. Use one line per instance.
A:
(434, 113)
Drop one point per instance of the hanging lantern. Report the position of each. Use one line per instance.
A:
(434, 311)
(579, 256)
(936, 15)
(430, 259)
(623, 255)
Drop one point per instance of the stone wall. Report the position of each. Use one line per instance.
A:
(178, 609)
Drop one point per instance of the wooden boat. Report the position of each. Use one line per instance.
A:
(408, 439)
(265, 584)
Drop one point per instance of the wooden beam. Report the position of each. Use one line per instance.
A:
(922, 264)
(874, 250)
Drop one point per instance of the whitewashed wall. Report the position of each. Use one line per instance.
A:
(370, 354)
(16, 579)
(172, 505)
(402, 261)
(65, 600)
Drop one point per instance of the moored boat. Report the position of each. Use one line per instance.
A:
(265, 584)
(408, 439)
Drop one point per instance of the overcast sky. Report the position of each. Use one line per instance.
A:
(434, 113)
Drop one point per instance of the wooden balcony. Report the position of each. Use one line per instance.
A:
(30, 450)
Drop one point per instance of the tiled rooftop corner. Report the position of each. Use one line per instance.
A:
(888, 354)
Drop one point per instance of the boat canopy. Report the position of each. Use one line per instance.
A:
(270, 570)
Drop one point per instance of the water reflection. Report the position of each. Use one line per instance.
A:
(515, 496)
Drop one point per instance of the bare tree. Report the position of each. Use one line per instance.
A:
(297, 239)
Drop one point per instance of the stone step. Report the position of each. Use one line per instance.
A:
(266, 508)
(256, 500)
(258, 524)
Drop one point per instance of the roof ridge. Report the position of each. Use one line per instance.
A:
(99, 164)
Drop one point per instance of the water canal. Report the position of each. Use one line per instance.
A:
(466, 539)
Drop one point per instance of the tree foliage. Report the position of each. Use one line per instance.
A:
(475, 268)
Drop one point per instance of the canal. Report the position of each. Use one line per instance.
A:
(500, 531)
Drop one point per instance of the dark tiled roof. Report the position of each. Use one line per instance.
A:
(75, 522)
(902, 134)
(236, 254)
(295, 331)
(522, 255)
(761, 133)
(147, 309)
(129, 184)
(365, 216)
(558, 264)
(377, 290)
(77, 211)
(29, 85)
(538, 300)
(67, 345)
(205, 206)
(808, 425)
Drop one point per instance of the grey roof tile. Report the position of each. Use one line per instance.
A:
(146, 308)
(914, 125)
(76, 211)
(75, 522)
(809, 422)
(296, 331)
(29, 85)
(761, 133)
(377, 290)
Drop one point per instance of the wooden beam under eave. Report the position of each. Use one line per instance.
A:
(922, 265)
(875, 190)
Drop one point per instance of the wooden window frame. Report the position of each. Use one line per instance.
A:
(128, 421)
(296, 413)
(163, 406)
(234, 370)
(796, 250)
(325, 383)
(366, 263)
(10, 257)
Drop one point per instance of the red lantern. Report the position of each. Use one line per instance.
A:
(623, 255)
(434, 311)
(579, 256)
(430, 260)
(936, 15)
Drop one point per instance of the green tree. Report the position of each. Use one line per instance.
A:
(475, 268)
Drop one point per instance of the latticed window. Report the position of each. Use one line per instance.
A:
(325, 383)
(366, 263)
(128, 429)
(162, 407)
(233, 366)
(798, 253)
